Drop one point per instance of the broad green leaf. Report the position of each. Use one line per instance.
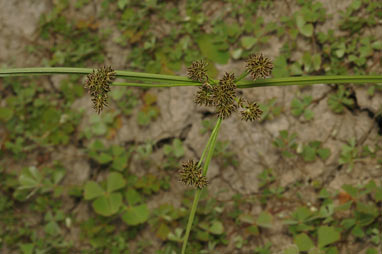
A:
(216, 227)
(315, 250)
(210, 50)
(236, 54)
(104, 158)
(357, 231)
(212, 71)
(107, 205)
(30, 178)
(92, 190)
(351, 190)
(309, 153)
(324, 153)
(307, 30)
(293, 249)
(300, 22)
(372, 251)
(377, 45)
(301, 213)
(52, 228)
(120, 162)
(117, 150)
(27, 248)
(97, 145)
(136, 215)
(58, 175)
(265, 220)
(304, 28)
(246, 218)
(356, 4)
(178, 148)
(122, 4)
(248, 41)
(378, 194)
(5, 114)
(202, 235)
(303, 242)
(133, 197)
(162, 231)
(233, 29)
(327, 235)
(114, 182)
(341, 50)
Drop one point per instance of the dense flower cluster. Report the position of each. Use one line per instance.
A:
(198, 71)
(259, 66)
(98, 83)
(221, 95)
(251, 112)
(192, 175)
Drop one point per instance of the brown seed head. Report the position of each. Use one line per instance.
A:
(259, 66)
(98, 84)
(198, 71)
(251, 112)
(192, 175)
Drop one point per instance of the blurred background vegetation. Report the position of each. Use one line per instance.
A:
(67, 183)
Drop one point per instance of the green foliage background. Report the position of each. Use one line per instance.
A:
(39, 207)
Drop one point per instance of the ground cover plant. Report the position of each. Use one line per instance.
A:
(37, 119)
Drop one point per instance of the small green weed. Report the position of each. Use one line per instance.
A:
(286, 143)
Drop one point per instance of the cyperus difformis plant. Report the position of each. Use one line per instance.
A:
(218, 94)
(221, 95)
(98, 84)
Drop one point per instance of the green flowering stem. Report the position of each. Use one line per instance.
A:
(172, 80)
(120, 74)
(153, 85)
(311, 80)
(210, 147)
(243, 75)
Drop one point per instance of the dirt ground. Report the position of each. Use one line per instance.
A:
(181, 118)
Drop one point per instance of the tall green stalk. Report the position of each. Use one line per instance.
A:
(222, 92)
(209, 148)
(172, 80)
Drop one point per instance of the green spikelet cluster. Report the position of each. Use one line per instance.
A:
(204, 96)
(259, 66)
(192, 175)
(98, 84)
(224, 96)
(198, 71)
(221, 95)
(251, 112)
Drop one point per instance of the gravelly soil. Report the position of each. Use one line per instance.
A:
(253, 141)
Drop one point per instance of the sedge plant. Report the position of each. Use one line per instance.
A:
(220, 94)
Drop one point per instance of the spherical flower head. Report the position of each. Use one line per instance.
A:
(191, 174)
(223, 95)
(259, 66)
(226, 110)
(228, 81)
(251, 112)
(98, 83)
(198, 71)
(204, 95)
